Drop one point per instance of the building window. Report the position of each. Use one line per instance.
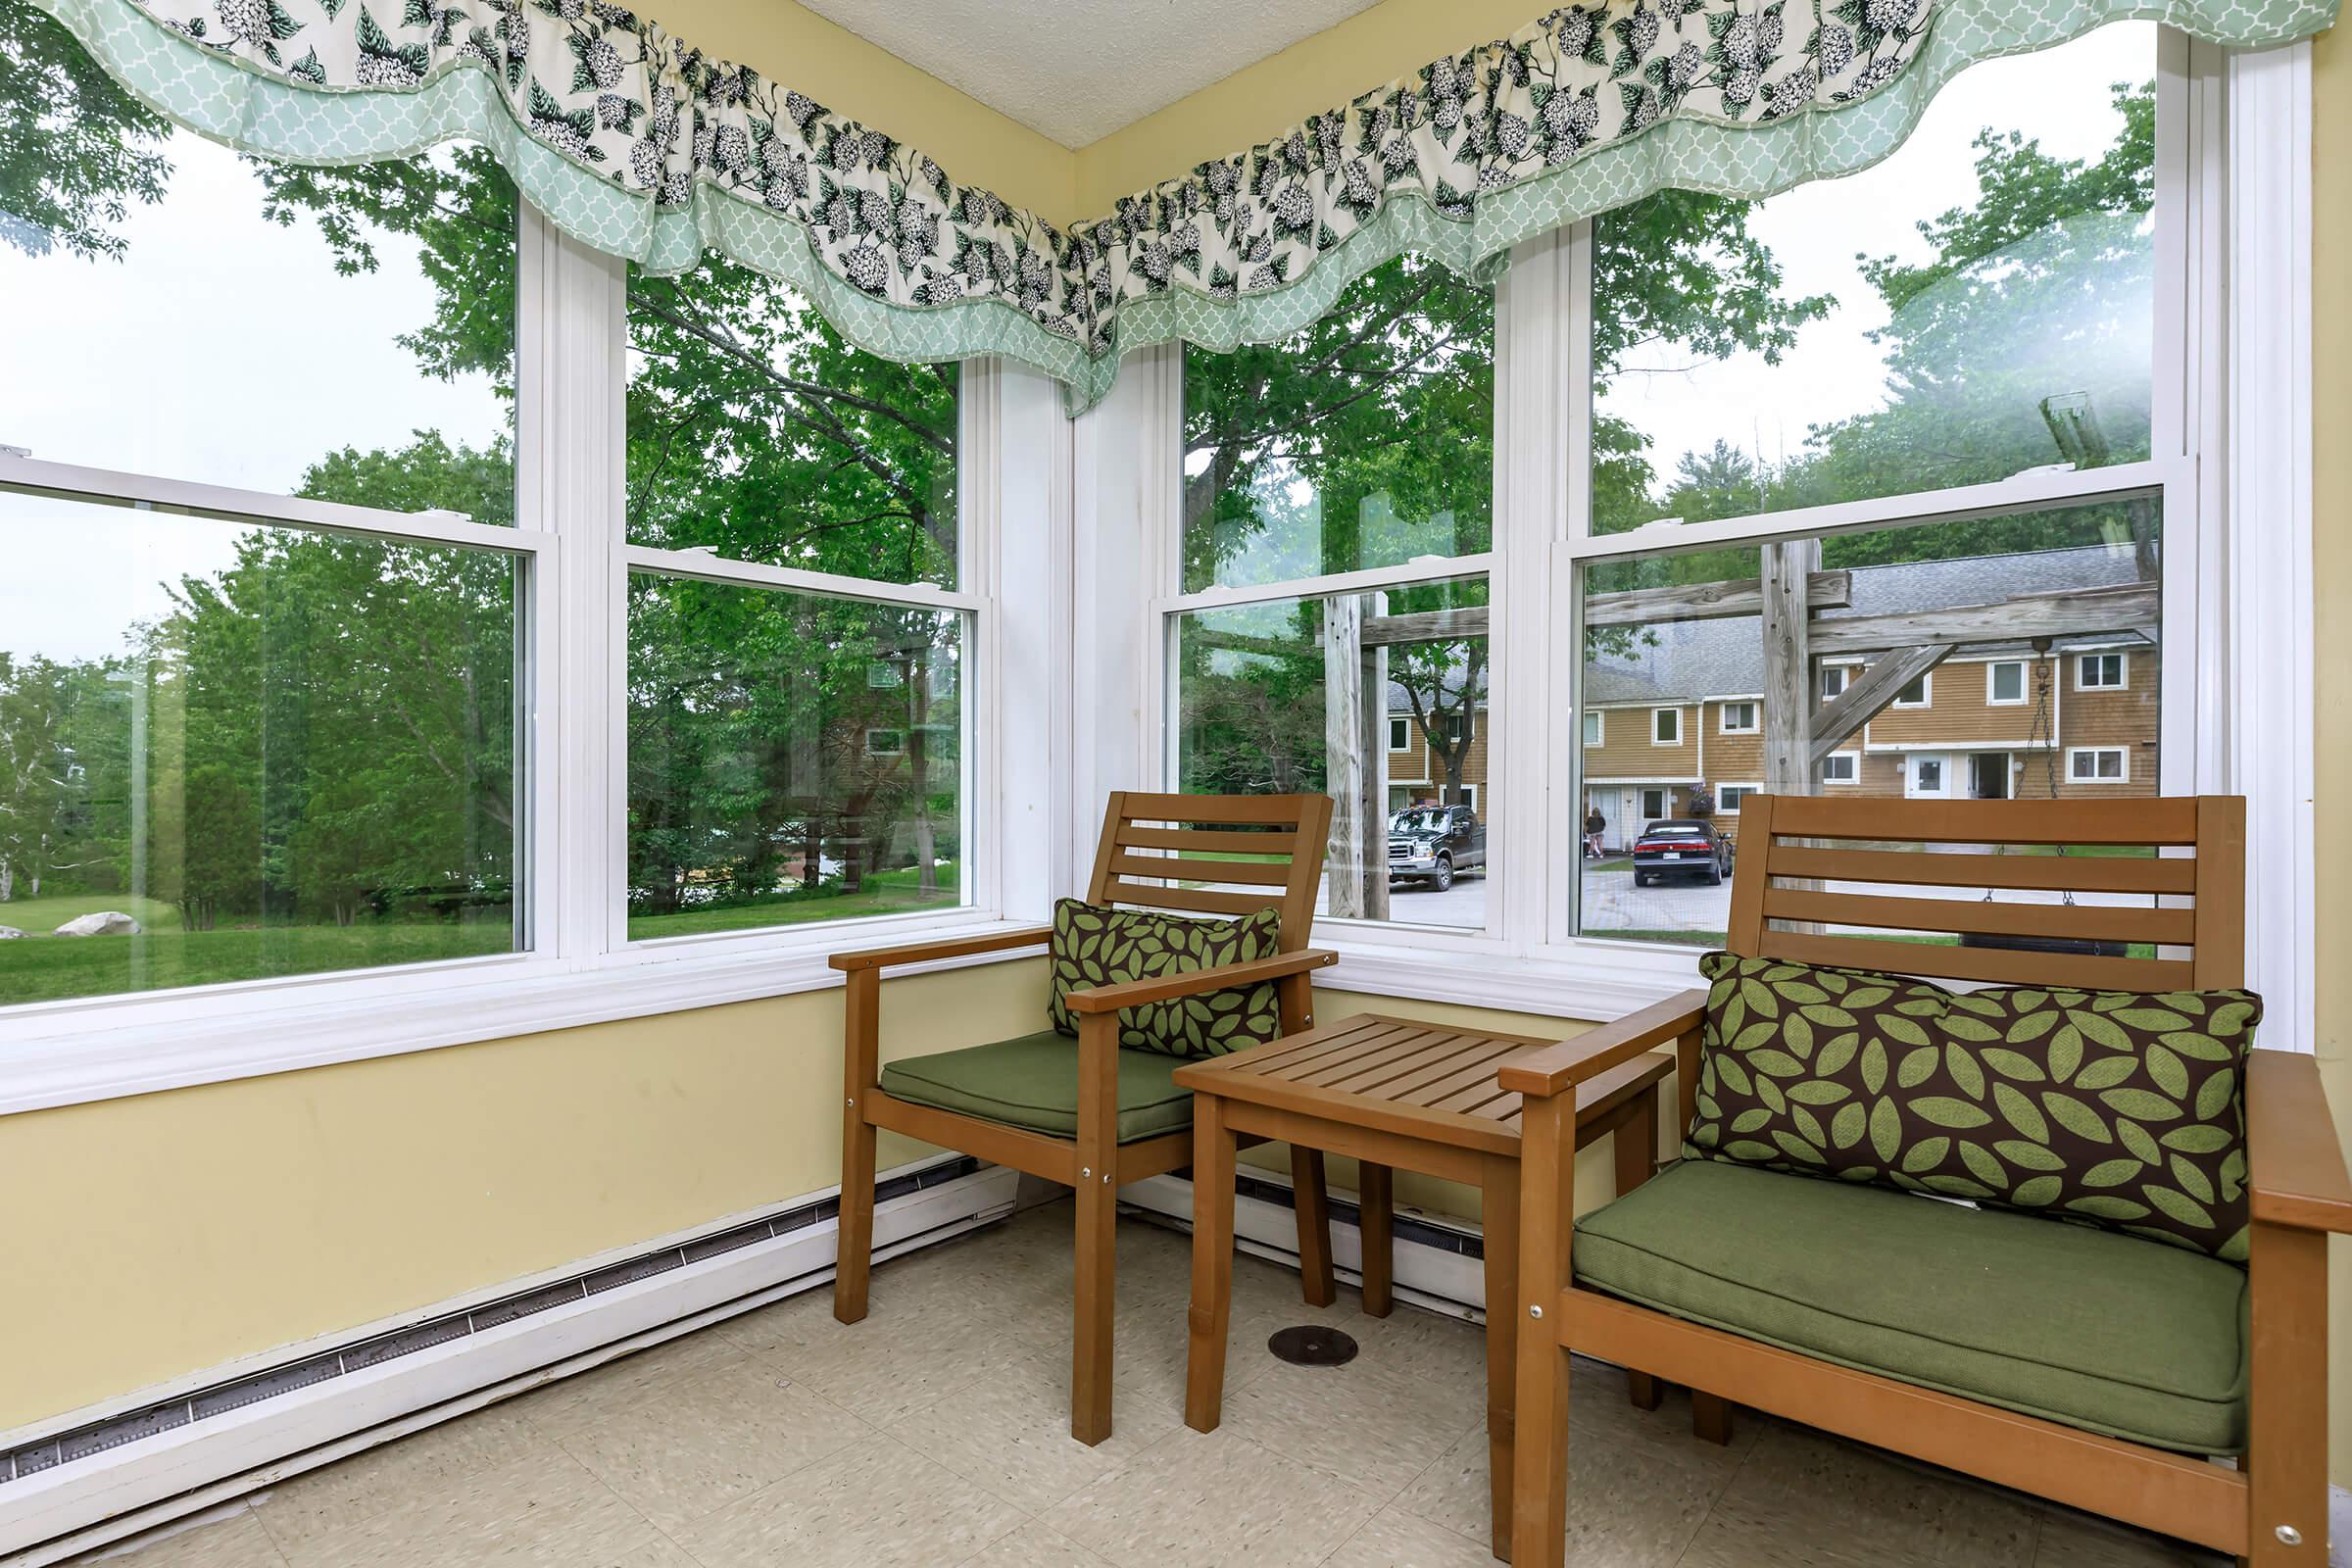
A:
(1653, 804)
(1915, 694)
(794, 752)
(1833, 681)
(2098, 764)
(1595, 728)
(1400, 734)
(1666, 726)
(1730, 797)
(2005, 682)
(1363, 448)
(1842, 767)
(2102, 673)
(1739, 718)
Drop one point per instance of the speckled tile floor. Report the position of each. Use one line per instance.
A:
(935, 1433)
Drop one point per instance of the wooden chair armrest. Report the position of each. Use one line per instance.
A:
(1222, 977)
(949, 948)
(1547, 1070)
(2294, 1165)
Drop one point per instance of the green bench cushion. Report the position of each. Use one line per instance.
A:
(1032, 1083)
(2099, 1331)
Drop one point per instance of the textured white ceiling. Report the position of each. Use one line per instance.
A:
(1078, 69)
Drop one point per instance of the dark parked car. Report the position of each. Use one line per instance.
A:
(1430, 843)
(1682, 846)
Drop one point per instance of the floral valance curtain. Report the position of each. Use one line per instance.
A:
(643, 146)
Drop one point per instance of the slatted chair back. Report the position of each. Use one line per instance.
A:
(1815, 876)
(1142, 834)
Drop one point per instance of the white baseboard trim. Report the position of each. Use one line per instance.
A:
(104, 1498)
(1428, 1275)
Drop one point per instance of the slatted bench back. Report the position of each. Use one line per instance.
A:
(1809, 867)
(1157, 848)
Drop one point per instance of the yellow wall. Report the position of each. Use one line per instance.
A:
(2331, 588)
(801, 49)
(154, 1236)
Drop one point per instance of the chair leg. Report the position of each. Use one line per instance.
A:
(1314, 1226)
(1499, 1210)
(1098, 1191)
(2286, 1446)
(1212, 1264)
(1376, 1210)
(853, 1252)
(1711, 1417)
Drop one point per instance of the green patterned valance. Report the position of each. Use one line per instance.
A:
(643, 146)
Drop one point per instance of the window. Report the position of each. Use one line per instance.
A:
(1833, 680)
(795, 745)
(1594, 730)
(1739, 718)
(1361, 446)
(1915, 694)
(1653, 804)
(2005, 682)
(1728, 797)
(251, 736)
(1400, 734)
(2097, 672)
(1842, 767)
(1666, 726)
(2098, 764)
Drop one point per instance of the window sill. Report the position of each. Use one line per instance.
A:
(1592, 980)
(69, 1053)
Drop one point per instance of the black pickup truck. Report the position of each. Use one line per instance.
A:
(1431, 844)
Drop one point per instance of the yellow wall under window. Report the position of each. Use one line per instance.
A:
(161, 1234)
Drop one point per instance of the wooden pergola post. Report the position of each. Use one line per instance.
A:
(1355, 755)
(1788, 568)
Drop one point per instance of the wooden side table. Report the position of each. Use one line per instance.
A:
(1391, 1093)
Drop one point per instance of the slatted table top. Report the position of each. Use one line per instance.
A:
(1423, 1080)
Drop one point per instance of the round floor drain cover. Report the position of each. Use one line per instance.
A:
(1313, 1345)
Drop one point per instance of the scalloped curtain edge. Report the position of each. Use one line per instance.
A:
(226, 100)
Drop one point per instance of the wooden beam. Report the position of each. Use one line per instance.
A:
(1868, 695)
(1788, 666)
(1426, 626)
(2068, 614)
(1355, 760)
(1706, 601)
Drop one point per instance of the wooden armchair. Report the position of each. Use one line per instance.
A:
(2271, 1509)
(1091, 1114)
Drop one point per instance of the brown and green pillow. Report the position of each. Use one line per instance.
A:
(2115, 1108)
(1094, 945)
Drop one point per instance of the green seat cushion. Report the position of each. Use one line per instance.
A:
(1032, 1083)
(2086, 1327)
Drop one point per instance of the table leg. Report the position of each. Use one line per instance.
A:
(1376, 1208)
(1314, 1226)
(1499, 1224)
(1213, 1148)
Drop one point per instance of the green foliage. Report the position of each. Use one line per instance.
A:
(76, 151)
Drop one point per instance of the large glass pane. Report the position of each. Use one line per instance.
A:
(2039, 611)
(1978, 305)
(233, 752)
(758, 432)
(1366, 440)
(792, 758)
(1381, 699)
(175, 309)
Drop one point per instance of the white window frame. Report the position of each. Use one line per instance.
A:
(1831, 690)
(1723, 797)
(1642, 795)
(1658, 713)
(578, 966)
(1853, 759)
(2122, 755)
(1993, 693)
(1597, 719)
(1400, 725)
(1926, 693)
(2122, 671)
(1755, 715)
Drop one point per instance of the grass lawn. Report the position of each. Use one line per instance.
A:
(46, 968)
(884, 892)
(37, 917)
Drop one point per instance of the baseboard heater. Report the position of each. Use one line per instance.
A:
(1439, 1262)
(66, 1492)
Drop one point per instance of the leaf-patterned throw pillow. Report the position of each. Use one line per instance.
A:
(1096, 945)
(2104, 1107)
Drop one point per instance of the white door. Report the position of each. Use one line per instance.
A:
(1927, 775)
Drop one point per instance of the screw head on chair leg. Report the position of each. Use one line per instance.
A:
(2288, 1536)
